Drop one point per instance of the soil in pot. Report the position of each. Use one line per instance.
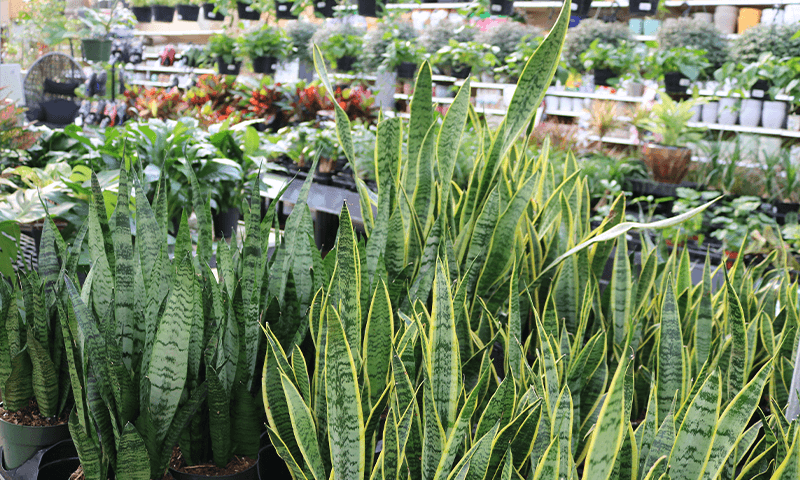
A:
(163, 13)
(188, 13)
(247, 11)
(25, 432)
(264, 65)
(142, 14)
(209, 14)
(239, 468)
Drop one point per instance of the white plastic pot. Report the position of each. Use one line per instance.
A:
(772, 16)
(750, 115)
(728, 111)
(697, 109)
(705, 17)
(793, 122)
(551, 103)
(565, 104)
(725, 18)
(773, 114)
(578, 105)
(710, 111)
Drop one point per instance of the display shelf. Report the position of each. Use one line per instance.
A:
(618, 141)
(778, 132)
(148, 83)
(403, 96)
(735, 3)
(162, 69)
(349, 76)
(177, 33)
(429, 6)
(563, 113)
(711, 93)
(596, 96)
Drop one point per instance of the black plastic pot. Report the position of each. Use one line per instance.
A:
(59, 469)
(602, 76)
(462, 72)
(675, 82)
(247, 11)
(95, 50)
(283, 10)
(225, 222)
(226, 68)
(324, 7)
(21, 442)
(271, 465)
(163, 13)
(501, 7)
(581, 7)
(760, 90)
(142, 14)
(642, 7)
(407, 70)
(209, 14)
(264, 65)
(345, 64)
(369, 8)
(189, 13)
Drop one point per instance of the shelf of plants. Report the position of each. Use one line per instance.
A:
(161, 69)
(780, 132)
(737, 3)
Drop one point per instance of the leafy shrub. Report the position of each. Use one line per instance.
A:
(300, 33)
(379, 39)
(439, 35)
(508, 36)
(337, 40)
(762, 38)
(581, 37)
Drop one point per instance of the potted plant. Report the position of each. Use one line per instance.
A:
(324, 8)
(609, 62)
(460, 59)
(308, 141)
(667, 156)
(247, 10)
(779, 40)
(341, 44)
(378, 39)
(227, 51)
(189, 11)
(728, 111)
(164, 10)
(403, 56)
(265, 47)
(510, 69)
(696, 34)
(214, 11)
(792, 90)
(96, 31)
(774, 77)
(35, 379)
(300, 33)
(286, 10)
(678, 66)
(437, 36)
(142, 10)
(508, 36)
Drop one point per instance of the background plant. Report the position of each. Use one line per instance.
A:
(694, 34)
(582, 36)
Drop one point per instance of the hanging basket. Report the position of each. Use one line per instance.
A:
(369, 8)
(265, 65)
(188, 13)
(502, 7)
(142, 14)
(247, 11)
(210, 14)
(163, 13)
(324, 7)
(283, 10)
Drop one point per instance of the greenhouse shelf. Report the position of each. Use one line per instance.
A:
(618, 141)
(735, 3)
(710, 93)
(148, 83)
(162, 69)
(562, 113)
(596, 96)
(178, 33)
(779, 132)
(349, 76)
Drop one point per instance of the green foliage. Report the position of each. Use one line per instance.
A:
(690, 62)
(509, 37)
(226, 47)
(695, 34)
(779, 40)
(339, 40)
(267, 41)
(669, 120)
(581, 37)
(620, 58)
(437, 36)
(456, 55)
(300, 33)
(385, 36)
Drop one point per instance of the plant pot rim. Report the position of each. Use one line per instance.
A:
(12, 425)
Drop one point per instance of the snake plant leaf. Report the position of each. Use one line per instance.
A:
(168, 366)
(286, 456)
(443, 353)
(420, 122)
(423, 190)
(218, 417)
(610, 428)
(662, 444)
(621, 292)
(344, 415)
(94, 468)
(101, 215)
(481, 237)
(345, 285)
(148, 234)
(449, 139)
(18, 387)
(377, 342)
(671, 374)
(790, 467)
(737, 374)
(499, 409)
(514, 339)
(304, 429)
(697, 430)
(203, 213)
(132, 459)
(391, 455)
(480, 454)
(705, 317)
(548, 467)
(45, 378)
(124, 271)
(275, 404)
(300, 375)
(733, 421)
(49, 267)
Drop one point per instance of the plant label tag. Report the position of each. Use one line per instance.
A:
(574, 7)
(644, 6)
(282, 8)
(684, 82)
(231, 67)
(496, 8)
(757, 93)
(249, 9)
(180, 17)
(321, 4)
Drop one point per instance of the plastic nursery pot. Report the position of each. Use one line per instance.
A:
(58, 462)
(163, 13)
(725, 18)
(225, 68)
(225, 222)
(602, 76)
(773, 114)
(462, 71)
(95, 50)
(209, 14)
(21, 442)
(283, 10)
(750, 115)
(581, 7)
(760, 90)
(264, 65)
(247, 11)
(710, 112)
(642, 7)
(189, 13)
(667, 164)
(728, 111)
(324, 7)
(675, 82)
(501, 7)
(271, 465)
(407, 70)
(142, 14)
(368, 8)
(345, 64)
